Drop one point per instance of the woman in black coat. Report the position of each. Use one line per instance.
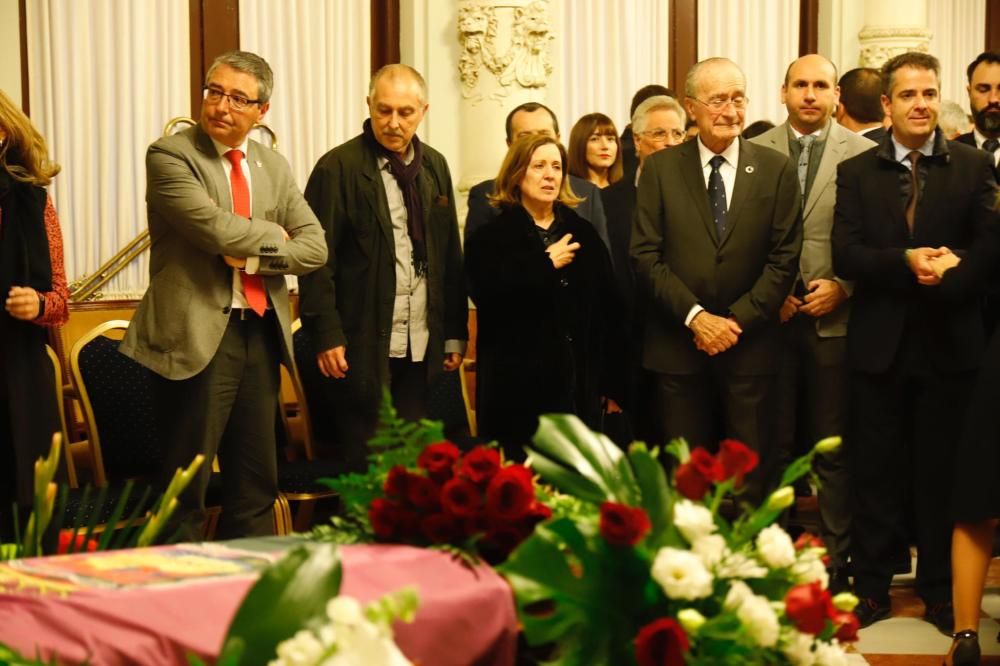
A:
(548, 311)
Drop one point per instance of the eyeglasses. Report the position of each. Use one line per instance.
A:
(718, 104)
(660, 134)
(236, 102)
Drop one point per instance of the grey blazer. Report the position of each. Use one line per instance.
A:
(184, 312)
(817, 214)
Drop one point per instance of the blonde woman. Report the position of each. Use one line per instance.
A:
(33, 282)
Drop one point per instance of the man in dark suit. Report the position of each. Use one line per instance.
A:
(716, 244)
(860, 106)
(389, 308)
(657, 123)
(905, 212)
(812, 384)
(526, 119)
(214, 323)
(984, 100)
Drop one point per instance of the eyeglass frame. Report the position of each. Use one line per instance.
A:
(677, 134)
(232, 97)
(719, 106)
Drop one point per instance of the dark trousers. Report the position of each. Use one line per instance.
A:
(355, 413)
(705, 407)
(229, 409)
(812, 396)
(904, 431)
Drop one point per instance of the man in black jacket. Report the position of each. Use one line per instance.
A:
(905, 213)
(389, 308)
(984, 100)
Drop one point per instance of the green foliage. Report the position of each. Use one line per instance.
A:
(288, 596)
(396, 442)
(10, 656)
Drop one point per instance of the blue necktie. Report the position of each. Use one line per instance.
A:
(717, 194)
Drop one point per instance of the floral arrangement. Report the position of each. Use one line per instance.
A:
(473, 501)
(654, 574)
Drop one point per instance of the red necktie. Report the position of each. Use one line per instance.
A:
(253, 285)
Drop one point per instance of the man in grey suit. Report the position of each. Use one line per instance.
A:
(227, 222)
(812, 379)
(716, 246)
(524, 120)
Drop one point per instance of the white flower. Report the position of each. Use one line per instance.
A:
(345, 610)
(830, 654)
(738, 565)
(810, 568)
(711, 548)
(775, 547)
(302, 649)
(693, 520)
(760, 620)
(691, 620)
(797, 647)
(738, 593)
(681, 574)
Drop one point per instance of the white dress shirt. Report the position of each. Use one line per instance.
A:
(253, 263)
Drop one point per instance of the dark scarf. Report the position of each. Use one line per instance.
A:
(406, 178)
(24, 245)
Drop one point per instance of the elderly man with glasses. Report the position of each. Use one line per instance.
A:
(227, 223)
(716, 245)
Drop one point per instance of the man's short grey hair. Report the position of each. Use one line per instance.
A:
(691, 82)
(656, 103)
(398, 71)
(952, 119)
(250, 63)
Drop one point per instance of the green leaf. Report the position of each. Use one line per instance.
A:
(657, 500)
(565, 479)
(284, 599)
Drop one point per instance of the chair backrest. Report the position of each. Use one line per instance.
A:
(468, 377)
(117, 399)
(61, 406)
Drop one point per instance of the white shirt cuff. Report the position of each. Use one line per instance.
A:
(455, 347)
(695, 309)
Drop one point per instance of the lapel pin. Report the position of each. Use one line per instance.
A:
(257, 162)
(749, 169)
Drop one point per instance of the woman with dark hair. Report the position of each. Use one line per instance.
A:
(595, 151)
(549, 335)
(33, 282)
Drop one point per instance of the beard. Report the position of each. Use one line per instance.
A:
(987, 119)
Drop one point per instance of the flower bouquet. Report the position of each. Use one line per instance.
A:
(653, 574)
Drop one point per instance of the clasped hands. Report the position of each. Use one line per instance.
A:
(929, 264)
(714, 334)
(823, 298)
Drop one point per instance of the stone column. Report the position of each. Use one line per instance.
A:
(504, 60)
(892, 27)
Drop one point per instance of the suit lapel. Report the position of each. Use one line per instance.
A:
(694, 179)
(833, 154)
(425, 182)
(887, 186)
(374, 192)
(260, 180)
(746, 175)
(214, 168)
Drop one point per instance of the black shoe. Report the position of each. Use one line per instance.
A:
(869, 611)
(942, 616)
(965, 649)
(839, 581)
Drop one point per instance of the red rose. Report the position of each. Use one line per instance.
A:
(474, 525)
(78, 543)
(736, 460)
(502, 538)
(422, 492)
(510, 493)
(847, 626)
(807, 540)
(706, 464)
(661, 643)
(385, 518)
(395, 482)
(622, 525)
(809, 606)
(689, 482)
(461, 498)
(537, 513)
(480, 464)
(440, 528)
(439, 459)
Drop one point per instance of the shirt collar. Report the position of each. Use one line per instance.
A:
(980, 138)
(383, 160)
(902, 151)
(798, 135)
(731, 153)
(223, 148)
